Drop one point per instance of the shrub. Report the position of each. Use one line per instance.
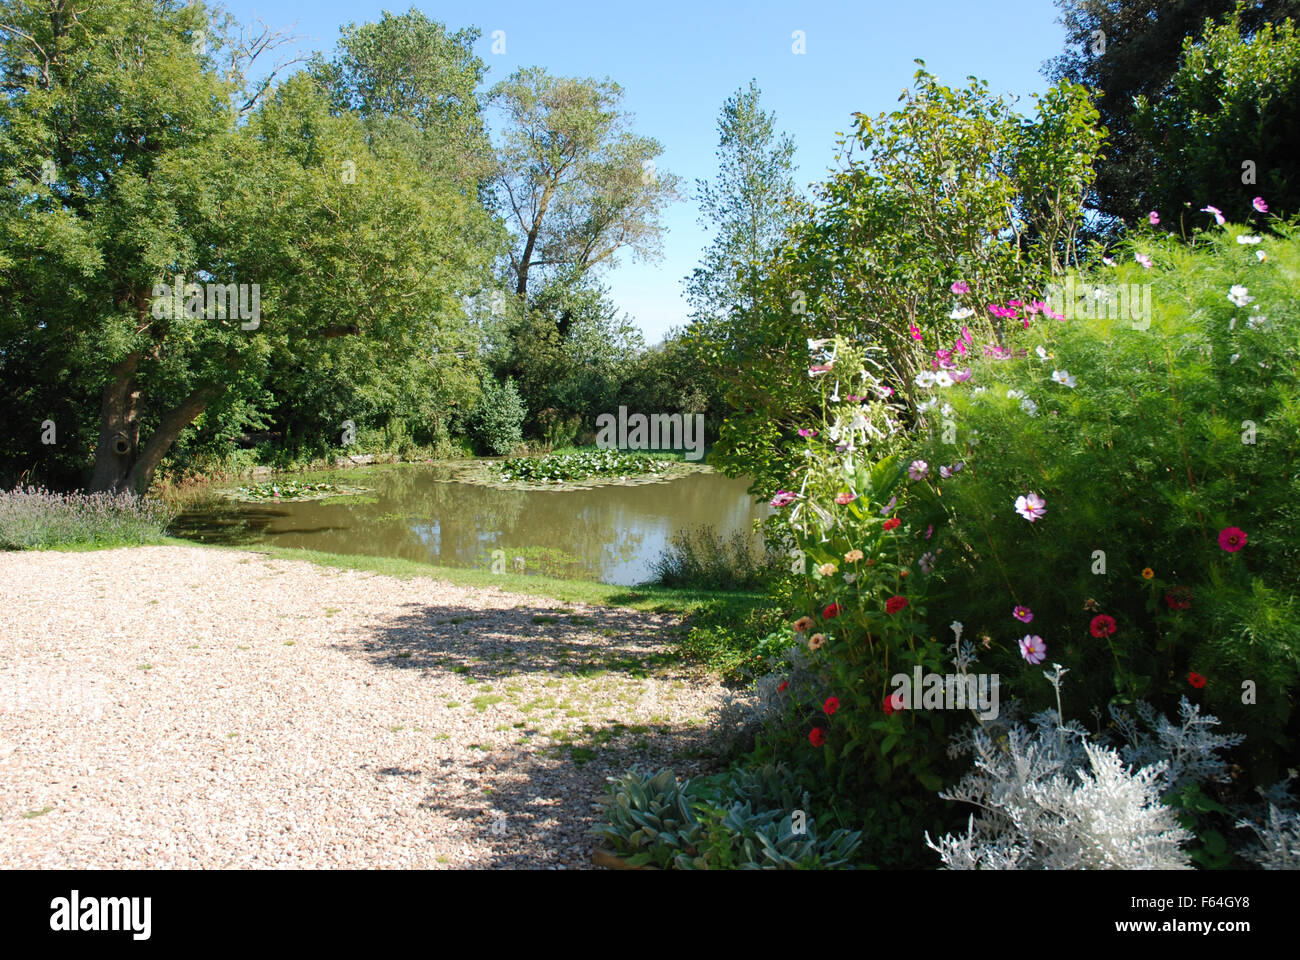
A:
(497, 421)
(703, 558)
(35, 519)
(1166, 455)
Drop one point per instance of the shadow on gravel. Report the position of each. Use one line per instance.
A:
(541, 804)
(486, 644)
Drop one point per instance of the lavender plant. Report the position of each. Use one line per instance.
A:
(35, 519)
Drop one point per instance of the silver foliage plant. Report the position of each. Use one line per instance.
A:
(1051, 799)
(1279, 840)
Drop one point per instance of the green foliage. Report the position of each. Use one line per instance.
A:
(1179, 426)
(1126, 50)
(1232, 99)
(497, 421)
(568, 467)
(703, 558)
(575, 185)
(747, 820)
(749, 207)
(953, 184)
(35, 519)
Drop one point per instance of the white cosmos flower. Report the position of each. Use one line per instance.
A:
(1234, 358)
(1243, 239)
(961, 313)
(1029, 407)
(1042, 353)
(1256, 322)
(924, 379)
(941, 379)
(1262, 255)
(1240, 295)
(927, 405)
(1015, 394)
(1063, 377)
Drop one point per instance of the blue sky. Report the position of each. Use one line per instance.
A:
(678, 61)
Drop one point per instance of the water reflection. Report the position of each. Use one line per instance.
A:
(613, 534)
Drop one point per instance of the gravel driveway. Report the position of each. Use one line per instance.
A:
(195, 707)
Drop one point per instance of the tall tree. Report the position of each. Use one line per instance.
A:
(574, 183)
(411, 80)
(125, 165)
(749, 205)
(1129, 49)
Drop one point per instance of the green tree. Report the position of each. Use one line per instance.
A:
(749, 206)
(1227, 129)
(152, 176)
(952, 186)
(575, 185)
(416, 85)
(1126, 49)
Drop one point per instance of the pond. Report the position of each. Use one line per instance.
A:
(611, 533)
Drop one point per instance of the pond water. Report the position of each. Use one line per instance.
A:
(613, 533)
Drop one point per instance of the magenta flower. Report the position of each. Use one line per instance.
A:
(807, 433)
(1143, 259)
(918, 470)
(1232, 539)
(960, 287)
(1032, 507)
(1259, 204)
(1033, 649)
(1153, 218)
(961, 376)
(1023, 614)
(1218, 214)
(915, 331)
(783, 498)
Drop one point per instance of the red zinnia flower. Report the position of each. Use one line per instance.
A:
(892, 522)
(894, 604)
(817, 736)
(1232, 539)
(893, 703)
(1179, 598)
(1102, 625)
(783, 686)
(831, 705)
(1196, 680)
(831, 612)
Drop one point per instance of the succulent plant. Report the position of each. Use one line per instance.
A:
(748, 821)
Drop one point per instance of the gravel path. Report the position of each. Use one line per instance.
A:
(193, 707)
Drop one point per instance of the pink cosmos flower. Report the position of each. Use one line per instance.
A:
(960, 287)
(1143, 259)
(807, 433)
(819, 369)
(1032, 507)
(783, 498)
(915, 331)
(1218, 214)
(1259, 204)
(1016, 304)
(1153, 218)
(1232, 539)
(961, 376)
(1023, 614)
(893, 502)
(1033, 649)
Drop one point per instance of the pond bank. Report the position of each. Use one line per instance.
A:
(195, 707)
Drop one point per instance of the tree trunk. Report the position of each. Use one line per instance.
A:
(119, 428)
(121, 465)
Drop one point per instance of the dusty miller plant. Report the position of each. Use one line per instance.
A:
(1042, 809)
